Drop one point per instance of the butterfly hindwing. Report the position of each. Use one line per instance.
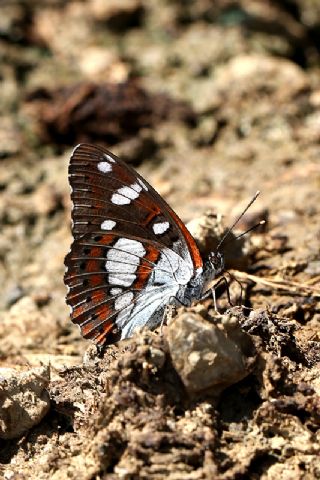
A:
(117, 284)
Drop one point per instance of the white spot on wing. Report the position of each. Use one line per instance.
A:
(117, 199)
(160, 228)
(124, 195)
(136, 187)
(123, 301)
(124, 280)
(104, 167)
(143, 185)
(129, 192)
(109, 158)
(108, 225)
(131, 246)
(123, 260)
(115, 291)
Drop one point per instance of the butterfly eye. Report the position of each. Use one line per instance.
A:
(175, 238)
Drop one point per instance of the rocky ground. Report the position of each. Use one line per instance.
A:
(210, 101)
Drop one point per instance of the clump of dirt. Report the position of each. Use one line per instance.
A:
(103, 113)
(129, 413)
(213, 101)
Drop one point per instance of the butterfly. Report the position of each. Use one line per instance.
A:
(131, 255)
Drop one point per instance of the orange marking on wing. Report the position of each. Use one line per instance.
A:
(155, 210)
(101, 339)
(99, 296)
(79, 295)
(96, 280)
(77, 313)
(106, 239)
(143, 273)
(91, 328)
(87, 329)
(80, 313)
(103, 312)
(102, 323)
(96, 252)
(92, 265)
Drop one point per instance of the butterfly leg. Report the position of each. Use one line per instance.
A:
(214, 296)
(212, 291)
(169, 311)
(240, 285)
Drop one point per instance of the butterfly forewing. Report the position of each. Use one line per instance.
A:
(130, 253)
(104, 188)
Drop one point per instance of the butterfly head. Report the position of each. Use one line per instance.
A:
(213, 266)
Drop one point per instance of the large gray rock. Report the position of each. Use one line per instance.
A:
(209, 356)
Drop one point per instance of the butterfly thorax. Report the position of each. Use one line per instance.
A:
(197, 285)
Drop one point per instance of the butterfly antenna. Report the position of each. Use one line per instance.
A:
(262, 222)
(238, 219)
